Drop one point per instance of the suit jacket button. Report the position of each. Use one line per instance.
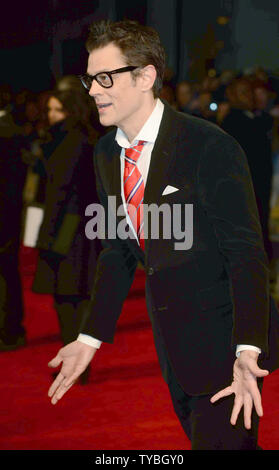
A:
(150, 271)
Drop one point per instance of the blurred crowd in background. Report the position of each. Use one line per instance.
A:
(46, 147)
(46, 150)
(247, 107)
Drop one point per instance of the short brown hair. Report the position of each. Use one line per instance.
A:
(139, 44)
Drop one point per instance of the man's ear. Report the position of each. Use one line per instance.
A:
(148, 76)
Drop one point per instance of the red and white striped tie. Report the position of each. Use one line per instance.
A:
(134, 189)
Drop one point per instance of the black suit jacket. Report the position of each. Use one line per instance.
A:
(205, 300)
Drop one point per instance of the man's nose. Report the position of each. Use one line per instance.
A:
(95, 89)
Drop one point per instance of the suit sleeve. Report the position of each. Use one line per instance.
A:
(227, 196)
(114, 276)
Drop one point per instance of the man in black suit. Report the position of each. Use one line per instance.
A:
(207, 300)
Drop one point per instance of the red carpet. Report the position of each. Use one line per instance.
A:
(126, 404)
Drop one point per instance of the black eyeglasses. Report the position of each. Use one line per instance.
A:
(103, 78)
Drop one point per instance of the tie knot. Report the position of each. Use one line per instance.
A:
(132, 154)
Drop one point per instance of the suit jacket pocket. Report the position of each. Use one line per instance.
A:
(180, 196)
(174, 286)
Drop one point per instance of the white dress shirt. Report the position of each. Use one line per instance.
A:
(148, 133)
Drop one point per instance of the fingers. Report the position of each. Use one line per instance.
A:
(60, 392)
(247, 401)
(257, 400)
(254, 369)
(55, 361)
(56, 384)
(59, 388)
(248, 406)
(238, 403)
(223, 393)
(246, 390)
(63, 383)
(74, 357)
(73, 378)
(247, 363)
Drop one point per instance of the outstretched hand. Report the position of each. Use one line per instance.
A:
(75, 357)
(244, 386)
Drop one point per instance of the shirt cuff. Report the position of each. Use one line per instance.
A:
(244, 347)
(86, 339)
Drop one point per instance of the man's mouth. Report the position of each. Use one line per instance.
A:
(101, 106)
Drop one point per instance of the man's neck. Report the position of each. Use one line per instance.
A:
(133, 128)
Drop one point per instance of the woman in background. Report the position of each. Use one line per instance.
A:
(67, 259)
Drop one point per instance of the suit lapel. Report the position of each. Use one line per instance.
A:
(111, 175)
(162, 154)
(116, 181)
(161, 157)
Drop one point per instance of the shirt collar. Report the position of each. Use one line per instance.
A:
(149, 130)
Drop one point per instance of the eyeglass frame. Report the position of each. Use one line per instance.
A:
(128, 68)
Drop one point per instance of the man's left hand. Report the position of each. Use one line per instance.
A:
(244, 386)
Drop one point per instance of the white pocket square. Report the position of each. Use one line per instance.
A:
(169, 189)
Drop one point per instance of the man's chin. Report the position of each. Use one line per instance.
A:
(106, 121)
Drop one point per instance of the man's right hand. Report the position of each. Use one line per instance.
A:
(75, 357)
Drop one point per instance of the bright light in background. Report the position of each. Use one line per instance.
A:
(222, 20)
(213, 106)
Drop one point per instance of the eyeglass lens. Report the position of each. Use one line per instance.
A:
(103, 79)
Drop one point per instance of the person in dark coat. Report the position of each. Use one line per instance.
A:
(12, 179)
(253, 133)
(67, 259)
